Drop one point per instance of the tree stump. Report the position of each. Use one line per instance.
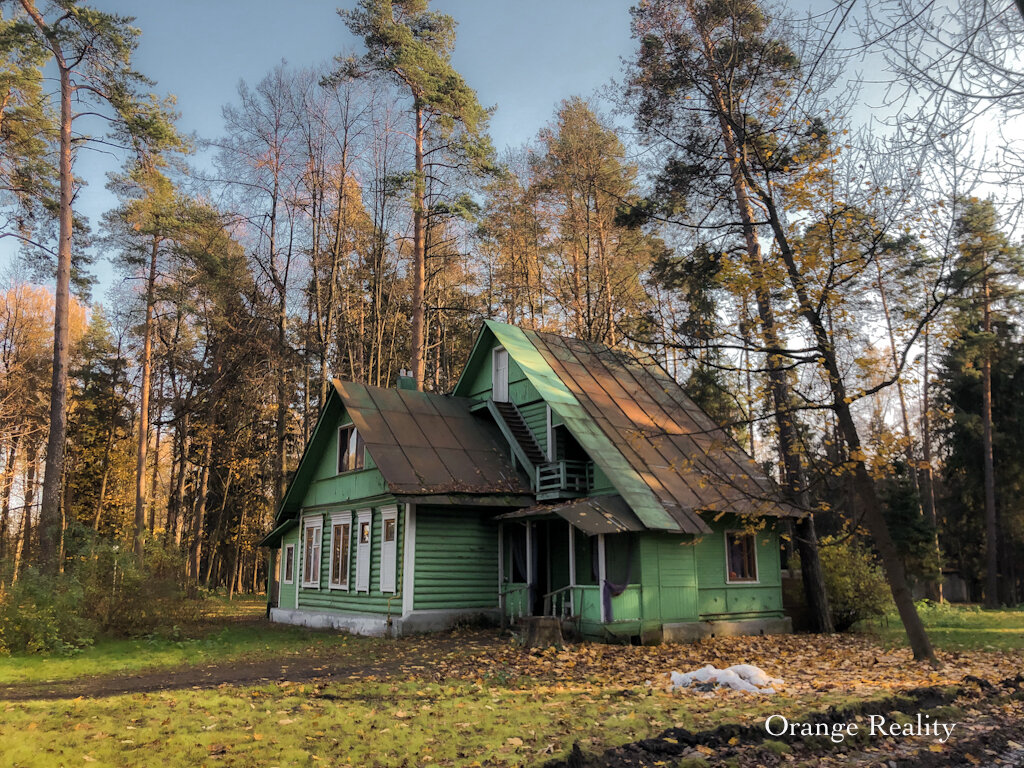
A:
(541, 631)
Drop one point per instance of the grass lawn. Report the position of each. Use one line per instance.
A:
(230, 631)
(958, 628)
(411, 722)
(458, 699)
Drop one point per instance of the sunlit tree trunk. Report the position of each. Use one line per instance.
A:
(49, 511)
(146, 375)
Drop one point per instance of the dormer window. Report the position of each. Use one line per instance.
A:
(351, 451)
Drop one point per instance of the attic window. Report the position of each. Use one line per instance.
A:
(741, 557)
(351, 450)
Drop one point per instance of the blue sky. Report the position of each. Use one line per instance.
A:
(523, 57)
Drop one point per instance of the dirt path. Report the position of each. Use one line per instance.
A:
(389, 659)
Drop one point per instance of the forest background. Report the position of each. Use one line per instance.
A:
(827, 263)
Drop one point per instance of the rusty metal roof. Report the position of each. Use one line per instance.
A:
(690, 463)
(593, 515)
(426, 443)
(630, 483)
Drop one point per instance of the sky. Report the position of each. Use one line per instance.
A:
(522, 57)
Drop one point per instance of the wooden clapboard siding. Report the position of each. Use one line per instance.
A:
(328, 487)
(456, 559)
(673, 573)
(326, 599)
(286, 592)
(717, 598)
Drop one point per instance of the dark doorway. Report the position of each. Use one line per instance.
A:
(541, 565)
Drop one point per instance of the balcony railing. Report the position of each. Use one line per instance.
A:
(557, 479)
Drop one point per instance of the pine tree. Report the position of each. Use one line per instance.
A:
(412, 46)
(92, 53)
(980, 371)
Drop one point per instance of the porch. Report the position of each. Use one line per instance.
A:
(583, 607)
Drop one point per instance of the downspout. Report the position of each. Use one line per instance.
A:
(501, 572)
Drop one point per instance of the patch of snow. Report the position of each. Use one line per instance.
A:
(739, 677)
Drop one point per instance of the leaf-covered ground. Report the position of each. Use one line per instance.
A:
(462, 698)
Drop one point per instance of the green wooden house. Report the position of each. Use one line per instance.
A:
(560, 478)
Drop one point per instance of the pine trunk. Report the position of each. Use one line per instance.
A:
(146, 376)
(8, 484)
(991, 533)
(199, 518)
(419, 258)
(49, 512)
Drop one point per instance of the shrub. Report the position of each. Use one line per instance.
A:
(40, 614)
(855, 584)
(103, 590)
(124, 598)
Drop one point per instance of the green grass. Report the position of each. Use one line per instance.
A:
(224, 635)
(368, 723)
(125, 656)
(958, 628)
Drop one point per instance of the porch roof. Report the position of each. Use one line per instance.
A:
(594, 515)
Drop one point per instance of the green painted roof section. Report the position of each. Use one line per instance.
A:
(598, 446)
(296, 491)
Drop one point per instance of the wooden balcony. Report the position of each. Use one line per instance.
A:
(564, 479)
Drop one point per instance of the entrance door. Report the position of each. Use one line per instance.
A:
(499, 383)
(540, 553)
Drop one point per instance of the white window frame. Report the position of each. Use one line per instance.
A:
(316, 522)
(757, 565)
(287, 578)
(388, 551)
(364, 550)
(495, 353)
(340, 519)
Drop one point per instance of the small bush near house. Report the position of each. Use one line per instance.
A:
(102, 591)
(856, 586)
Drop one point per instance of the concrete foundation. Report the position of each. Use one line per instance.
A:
(691, 631)
(379, 626)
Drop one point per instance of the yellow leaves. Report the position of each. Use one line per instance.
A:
(514, 741)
